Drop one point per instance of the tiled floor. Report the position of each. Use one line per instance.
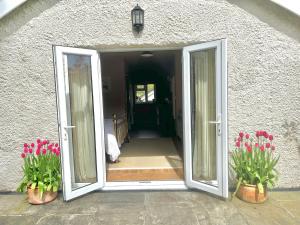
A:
(151, 207)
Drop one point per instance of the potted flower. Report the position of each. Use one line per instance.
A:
(42, 175)
(254, 163)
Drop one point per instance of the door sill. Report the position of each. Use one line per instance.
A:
(145, 185)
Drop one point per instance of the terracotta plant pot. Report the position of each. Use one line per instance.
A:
(250, 193)
(34, 196)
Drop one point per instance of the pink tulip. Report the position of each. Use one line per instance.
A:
(23, 155)
(270, 137)
(241, 134)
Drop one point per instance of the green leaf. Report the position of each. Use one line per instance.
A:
(55, 188)
(33, 186)
(49, 187)
(260, 188)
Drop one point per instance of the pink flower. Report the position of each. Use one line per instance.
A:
(25, 145)
(25, 150)
(58, 149)
(56, 145)
(38, 140)
(246, 144)
(271, 137)
(44, 142)
(30, 150)
(57, 153)
(238, 144)
(262, 148)
(266, 134)
(40, 145)
(23, 155)
(48, 141)
(247, 136)
(249, 149)
(44, 151)
(257, 133)
(273, 147)
(268, 145)
(32, 145)
(54, 150)
(38, 151)
(241, 134)
(256, 145)
(50, 147)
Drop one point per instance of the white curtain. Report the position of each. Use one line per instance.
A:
(82, 116)
(204, 100)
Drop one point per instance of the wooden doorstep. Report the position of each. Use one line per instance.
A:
(145, 174)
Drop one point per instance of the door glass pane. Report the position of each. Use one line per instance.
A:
(81, 115)
(203, 93)
(140, 96)
(150, 92)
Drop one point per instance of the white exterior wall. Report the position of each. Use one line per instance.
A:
(263, 67)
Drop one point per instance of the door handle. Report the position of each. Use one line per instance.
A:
(69, 127)
(218, 123)
(215, 122)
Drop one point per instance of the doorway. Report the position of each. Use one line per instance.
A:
(204, 119)
(147, 91)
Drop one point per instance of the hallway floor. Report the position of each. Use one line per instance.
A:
(151, 207)
(147, 159)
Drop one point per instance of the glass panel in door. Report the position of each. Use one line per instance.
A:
(81, 118)
(203, 95)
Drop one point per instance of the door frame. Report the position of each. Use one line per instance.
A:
(154, 185)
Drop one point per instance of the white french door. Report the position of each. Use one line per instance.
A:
(80, 120)
(205, 117)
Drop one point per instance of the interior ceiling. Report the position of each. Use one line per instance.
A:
(164, 58)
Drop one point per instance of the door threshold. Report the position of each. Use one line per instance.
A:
(145, 185)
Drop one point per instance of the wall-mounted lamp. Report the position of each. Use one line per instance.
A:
(137, 17)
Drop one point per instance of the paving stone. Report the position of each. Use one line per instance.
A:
(151, 207)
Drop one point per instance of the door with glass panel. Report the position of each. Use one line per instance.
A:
(80, 120)
(205, 117)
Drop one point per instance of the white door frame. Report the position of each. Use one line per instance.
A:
(62, 85)
(221, 107)
(153, 185)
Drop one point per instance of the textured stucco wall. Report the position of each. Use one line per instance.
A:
(263, 67)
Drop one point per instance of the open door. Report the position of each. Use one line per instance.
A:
(79, 93)
(205, 117)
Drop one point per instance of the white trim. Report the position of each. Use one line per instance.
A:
(221, 108)
(60, 52)
(291, 5)
(6, 6)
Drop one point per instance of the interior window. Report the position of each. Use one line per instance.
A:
(144, 93)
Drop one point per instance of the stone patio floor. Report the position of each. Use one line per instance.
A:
(151, 207)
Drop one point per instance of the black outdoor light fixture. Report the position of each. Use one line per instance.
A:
(137, 17)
